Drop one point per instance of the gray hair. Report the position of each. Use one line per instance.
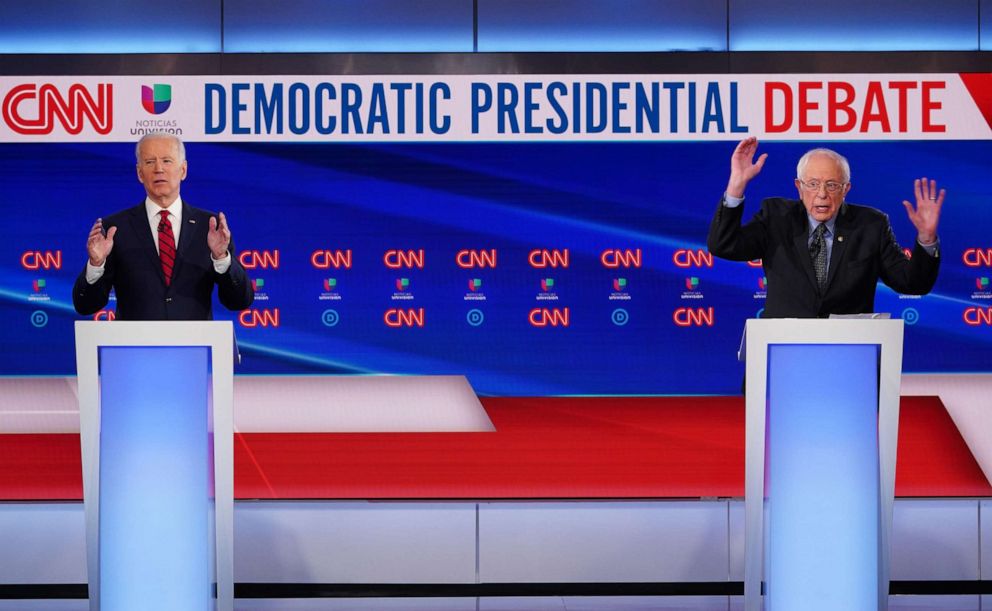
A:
(845, 167)
(156, 136)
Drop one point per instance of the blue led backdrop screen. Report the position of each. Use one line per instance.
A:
(532, 268)
(539, 234)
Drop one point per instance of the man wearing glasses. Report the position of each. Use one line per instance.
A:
(822, 255)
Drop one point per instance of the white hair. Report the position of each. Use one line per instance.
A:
(156, 136)
(845, 168)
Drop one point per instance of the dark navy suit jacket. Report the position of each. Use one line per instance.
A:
(864, 251)
(134, 272)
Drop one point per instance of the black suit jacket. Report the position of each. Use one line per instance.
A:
(864, 251)
(134, 272)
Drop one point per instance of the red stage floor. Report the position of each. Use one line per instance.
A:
(547, 448)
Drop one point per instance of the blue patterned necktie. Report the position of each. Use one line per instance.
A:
(818, 253)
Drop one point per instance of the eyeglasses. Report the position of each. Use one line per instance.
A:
(813, 186)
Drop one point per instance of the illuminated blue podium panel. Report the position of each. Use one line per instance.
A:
(157, 435)
(822, 423)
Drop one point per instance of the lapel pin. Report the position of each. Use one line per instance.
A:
(192, 221)
(840, 238)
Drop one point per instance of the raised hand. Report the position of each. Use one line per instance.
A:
(926, 214)
(218, 236)
(743, 167)
(98, 245)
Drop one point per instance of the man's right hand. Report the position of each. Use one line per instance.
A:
(98, 246)
(742, 166)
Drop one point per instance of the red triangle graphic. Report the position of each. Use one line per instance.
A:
(979, 85)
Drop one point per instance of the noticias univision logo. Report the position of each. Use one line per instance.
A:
(984, 289)
(619, 290)
(258, 284)
(402, 289)
(157, 98)
(330, 292)
(40, 294)
(692, 288)
(547, 290)
(762, 292)
(475, 290)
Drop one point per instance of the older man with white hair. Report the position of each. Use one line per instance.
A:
(822, 255)
(162, 257)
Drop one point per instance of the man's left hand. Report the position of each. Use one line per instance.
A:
(926, 214)
(219, 236)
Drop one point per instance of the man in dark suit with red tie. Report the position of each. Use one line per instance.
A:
(162, 257)
(822, 255)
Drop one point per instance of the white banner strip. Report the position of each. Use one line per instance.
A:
(512, 108)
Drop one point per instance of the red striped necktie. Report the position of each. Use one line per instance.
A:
(166, 246)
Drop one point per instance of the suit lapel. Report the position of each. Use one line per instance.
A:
(142, 229)
(800, 240)
(841, 240)
(190, 234)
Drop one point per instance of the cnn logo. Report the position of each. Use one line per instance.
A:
(470, 259)
(259, 259)
(325, 259)
(399, 259)
(614, 258)
(549, 317)
(395, 317)
(693, 317)
(684, 257)
(32, 110)
(540, 258)
(41, 259)
(259, 318)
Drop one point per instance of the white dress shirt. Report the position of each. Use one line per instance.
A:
(153, 211)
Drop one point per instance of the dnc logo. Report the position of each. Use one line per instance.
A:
(157, 98)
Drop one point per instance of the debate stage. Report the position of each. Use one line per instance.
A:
(546, 498)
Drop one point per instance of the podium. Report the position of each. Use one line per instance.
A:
(157, 451)
(822, 417)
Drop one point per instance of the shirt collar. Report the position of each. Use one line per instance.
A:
(175, 209)
(813, 223)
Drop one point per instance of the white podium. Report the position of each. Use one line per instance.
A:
(821, 429)
(157, 451)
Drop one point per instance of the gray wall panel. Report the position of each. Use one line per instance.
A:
(110, 26)
(593, 25)
(935, 539)
(854, 25)
(986, 539)
(985, 26)
(354, 542)
(42, 543)
(607, 541)
(347, 25)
